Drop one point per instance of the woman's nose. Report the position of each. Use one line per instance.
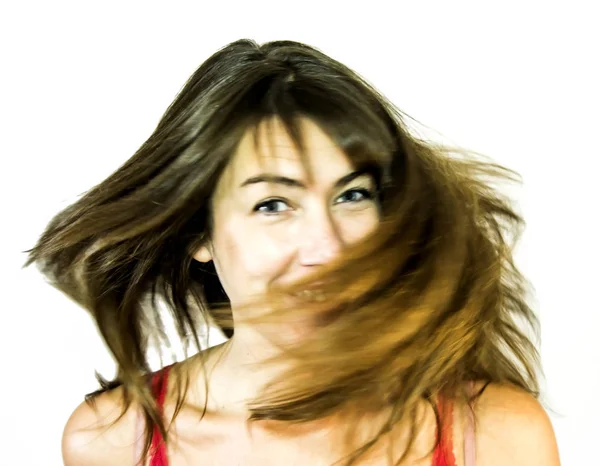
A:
(320, 241)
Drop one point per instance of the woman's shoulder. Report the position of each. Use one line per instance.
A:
(512, 427)
(96, 435)
(92, 437)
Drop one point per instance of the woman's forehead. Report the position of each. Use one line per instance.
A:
(276, 153)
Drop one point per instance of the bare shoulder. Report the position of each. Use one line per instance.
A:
(91, 437)
(513, 428)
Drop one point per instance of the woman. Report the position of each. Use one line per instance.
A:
(363, 277)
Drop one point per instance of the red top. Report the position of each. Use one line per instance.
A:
(442, 456)
(158, 451)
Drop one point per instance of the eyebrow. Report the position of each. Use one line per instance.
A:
(290, 182)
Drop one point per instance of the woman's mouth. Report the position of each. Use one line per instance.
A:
(311, 295)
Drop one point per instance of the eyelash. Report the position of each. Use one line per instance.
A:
(367, 195)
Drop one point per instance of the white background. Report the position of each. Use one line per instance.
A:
(83, 84)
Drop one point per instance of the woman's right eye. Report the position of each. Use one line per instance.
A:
(269, 207)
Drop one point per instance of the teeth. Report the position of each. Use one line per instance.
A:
(311, 295)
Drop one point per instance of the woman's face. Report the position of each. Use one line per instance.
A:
(270, 225)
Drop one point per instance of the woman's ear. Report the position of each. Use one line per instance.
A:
(203, 254)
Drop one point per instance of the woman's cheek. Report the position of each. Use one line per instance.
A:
(268, 248)
(355, 227)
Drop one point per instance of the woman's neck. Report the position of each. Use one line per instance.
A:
(236, 371)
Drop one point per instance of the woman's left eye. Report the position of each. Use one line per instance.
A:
(357, 195)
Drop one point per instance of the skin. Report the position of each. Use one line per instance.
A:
(255, 245)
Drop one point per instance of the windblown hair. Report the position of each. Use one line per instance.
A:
(425, 304)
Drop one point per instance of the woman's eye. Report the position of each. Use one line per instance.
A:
(270, 206)
(357, 195)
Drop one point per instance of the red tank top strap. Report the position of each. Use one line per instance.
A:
(444, 453)
(158, 450)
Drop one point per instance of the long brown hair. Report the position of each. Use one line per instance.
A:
(428, 302)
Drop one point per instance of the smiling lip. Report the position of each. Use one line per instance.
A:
(310, 295)
(316, 285)
(312, 285)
